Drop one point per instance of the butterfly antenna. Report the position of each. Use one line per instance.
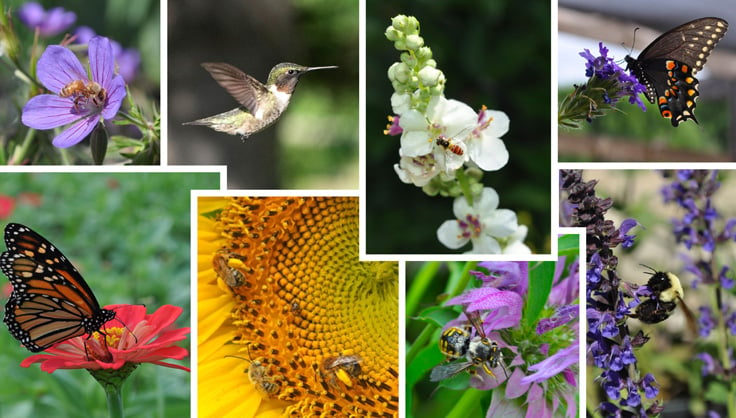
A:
(126, 327)
(633, 41)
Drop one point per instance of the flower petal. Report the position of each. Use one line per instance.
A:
(76, 133)
(57, 67)
(499, 124)
(501, 223)
(101, 60)
(115, 94)
(451, 235)
(415, 143)
(488, 152)
(485, 244)
(488, 201)
(47, 111)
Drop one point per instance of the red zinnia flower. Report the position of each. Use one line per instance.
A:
(144, 339)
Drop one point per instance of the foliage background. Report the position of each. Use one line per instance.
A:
(315, 143)
(128, 234)
(495, 53)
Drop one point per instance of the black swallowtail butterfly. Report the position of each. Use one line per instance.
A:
(667, 67)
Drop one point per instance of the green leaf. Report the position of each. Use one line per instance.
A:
(540, 285)
(568, 245)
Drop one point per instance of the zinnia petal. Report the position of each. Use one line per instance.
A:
(57, 67)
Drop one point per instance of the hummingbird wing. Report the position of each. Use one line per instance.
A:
(245, 89)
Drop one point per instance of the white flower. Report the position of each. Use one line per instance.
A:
(515, 243)
(416, 170)
(486, 226)
(400, 103)
(444, 118)
(484, 146)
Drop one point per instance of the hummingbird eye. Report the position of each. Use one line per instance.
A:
(292, 71)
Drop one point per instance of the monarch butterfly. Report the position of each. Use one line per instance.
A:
(50, 302)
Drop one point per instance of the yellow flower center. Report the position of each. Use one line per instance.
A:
(317, 327)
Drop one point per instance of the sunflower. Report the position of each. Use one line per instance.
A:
(291, 323)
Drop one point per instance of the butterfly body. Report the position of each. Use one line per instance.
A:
(50, 302)
(667, 67)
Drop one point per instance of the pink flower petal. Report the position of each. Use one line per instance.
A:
(57, 67)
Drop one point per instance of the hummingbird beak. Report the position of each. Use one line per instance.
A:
(320, 68)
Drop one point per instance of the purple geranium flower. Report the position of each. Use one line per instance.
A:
(78, 100)
(49, 23)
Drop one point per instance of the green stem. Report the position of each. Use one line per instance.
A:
(462, 180)
(420, 343)
(19, 155)
(114, 401)
(422, 280)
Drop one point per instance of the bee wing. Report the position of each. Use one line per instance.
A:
(691, 321)
(474, 318)
(446, 371)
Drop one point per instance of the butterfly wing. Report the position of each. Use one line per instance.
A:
(50, 301)
(690, 43)
(667, 67)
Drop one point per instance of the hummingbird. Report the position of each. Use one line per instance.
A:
(262, 105)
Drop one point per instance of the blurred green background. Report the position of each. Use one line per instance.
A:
(133, 24)
(495, 53)
(633, 135)
(315, 143)
(128, 234)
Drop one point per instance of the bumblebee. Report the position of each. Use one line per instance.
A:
(479, 351)
(666, 292)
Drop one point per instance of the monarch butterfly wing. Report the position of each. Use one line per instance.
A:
(21, 239)
(690, 43)
(50, 301)
(36, 313)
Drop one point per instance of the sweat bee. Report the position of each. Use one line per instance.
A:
(479, 351)
(260, 377)
(230, 275)
(341, 368)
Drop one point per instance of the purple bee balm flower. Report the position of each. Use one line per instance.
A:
(504, 306)
(78, 101)
(49, 23)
